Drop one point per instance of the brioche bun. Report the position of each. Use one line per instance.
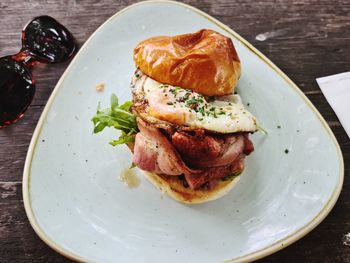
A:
(205, 61)
(174, 188)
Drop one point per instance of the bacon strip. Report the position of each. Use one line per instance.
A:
(203, 151)
(151, 146)
(154, 152)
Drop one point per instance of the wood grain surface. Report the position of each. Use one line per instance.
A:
(305, 38)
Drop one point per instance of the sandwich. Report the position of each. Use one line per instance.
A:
(187, 127)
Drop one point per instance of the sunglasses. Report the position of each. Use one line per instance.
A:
(44, 40)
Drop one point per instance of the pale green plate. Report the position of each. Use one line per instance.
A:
(77, 205)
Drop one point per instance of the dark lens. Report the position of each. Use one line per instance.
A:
(47, 40)
(16, 90)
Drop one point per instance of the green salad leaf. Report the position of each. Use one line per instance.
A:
(118, 117)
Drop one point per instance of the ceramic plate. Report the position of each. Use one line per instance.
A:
(77, 205)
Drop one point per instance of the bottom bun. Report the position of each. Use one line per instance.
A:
(173, 187)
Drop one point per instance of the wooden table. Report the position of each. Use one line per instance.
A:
(307, 39)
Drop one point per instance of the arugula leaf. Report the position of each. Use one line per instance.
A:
(124, 138)
(114, 101)
(126, 106)
(118, 117)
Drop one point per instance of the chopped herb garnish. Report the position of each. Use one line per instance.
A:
(286, 151)
(170, 103)
(279, 126)
(185, 97)
(201, 110)
(173, 91)
(248, 104)
(192, 101)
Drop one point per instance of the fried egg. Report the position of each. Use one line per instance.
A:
(222, 114)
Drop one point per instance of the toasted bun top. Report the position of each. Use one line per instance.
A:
(205, 62)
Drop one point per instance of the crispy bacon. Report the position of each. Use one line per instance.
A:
(200, 150)
(151, 146)
(248, 145)
(215, 173)
(202, 159)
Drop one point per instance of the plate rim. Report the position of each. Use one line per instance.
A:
(248, 257)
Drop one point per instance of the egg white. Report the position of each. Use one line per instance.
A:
(222, 114)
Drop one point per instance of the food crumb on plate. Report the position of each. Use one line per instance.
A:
(100, 87)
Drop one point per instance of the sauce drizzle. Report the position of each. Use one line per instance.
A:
(129, 177)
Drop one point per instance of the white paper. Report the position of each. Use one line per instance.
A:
(336, 89)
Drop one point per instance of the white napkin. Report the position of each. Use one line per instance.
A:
(336, 89)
